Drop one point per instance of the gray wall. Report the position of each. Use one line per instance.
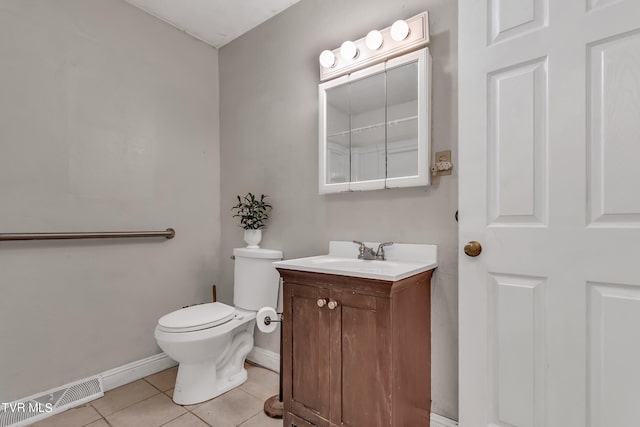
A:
(269, 137)
(108, 121)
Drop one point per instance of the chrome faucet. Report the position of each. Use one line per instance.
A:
(369, 254)
(365, 252)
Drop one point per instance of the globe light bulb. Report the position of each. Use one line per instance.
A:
(327, 59)
(374, 40)
(348, 50)
(399, 30)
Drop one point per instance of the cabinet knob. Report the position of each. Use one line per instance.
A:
(322, 302)
(333, 304)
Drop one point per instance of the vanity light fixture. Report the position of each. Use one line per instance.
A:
(327, 59)
(348, 50)
(374, 40)
(400, 30)
(378, 46)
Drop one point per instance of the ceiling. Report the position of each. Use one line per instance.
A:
(215, 22)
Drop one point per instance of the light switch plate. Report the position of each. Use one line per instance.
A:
(443, 157)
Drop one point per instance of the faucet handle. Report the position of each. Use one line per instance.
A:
(380, 252)
(362, 246)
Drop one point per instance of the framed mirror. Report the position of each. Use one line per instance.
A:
(374, 126)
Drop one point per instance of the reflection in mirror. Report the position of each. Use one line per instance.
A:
(338, 135)
(402, 121)
(368, 99)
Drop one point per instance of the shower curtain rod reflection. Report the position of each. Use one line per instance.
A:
(5, 237)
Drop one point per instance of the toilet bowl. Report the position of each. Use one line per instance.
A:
(211, 341)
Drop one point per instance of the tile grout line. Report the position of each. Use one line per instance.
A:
(173, 419)
(251, 394)
(198, 417)
(188, 410)
(94, 421)
(122, 409)
(140, 401)
(157, 388)
(250, 417)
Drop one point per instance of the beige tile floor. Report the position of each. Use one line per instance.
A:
(147, 403)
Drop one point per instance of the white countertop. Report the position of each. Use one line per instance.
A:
(402, 261)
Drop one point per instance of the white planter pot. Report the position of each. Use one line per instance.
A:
(252, 237)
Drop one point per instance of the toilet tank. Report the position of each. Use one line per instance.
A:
(256, 281)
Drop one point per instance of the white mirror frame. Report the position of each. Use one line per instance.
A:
(423, 58)
(325, 186)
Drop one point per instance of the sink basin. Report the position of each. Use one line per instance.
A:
(344, 262)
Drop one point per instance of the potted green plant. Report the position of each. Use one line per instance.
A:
(253, 213)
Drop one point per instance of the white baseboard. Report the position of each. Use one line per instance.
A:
(133, 371)
(440, 421)
(265, 358)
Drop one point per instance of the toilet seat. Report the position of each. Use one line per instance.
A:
(196, 317)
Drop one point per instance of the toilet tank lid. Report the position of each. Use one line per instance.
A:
(258, 253)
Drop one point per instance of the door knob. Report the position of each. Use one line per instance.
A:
(321, 302)
(332, 304)
(473, 248)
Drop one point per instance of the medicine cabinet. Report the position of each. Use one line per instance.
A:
(375, 125)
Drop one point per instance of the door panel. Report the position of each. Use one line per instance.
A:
(516, 348)
(549, 130)
(517, 192)
(613, 316)
(511, 18)
(614, 102)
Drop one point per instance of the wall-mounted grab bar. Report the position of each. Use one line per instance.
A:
(169, 234)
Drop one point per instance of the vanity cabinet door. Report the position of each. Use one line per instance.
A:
(360, 360)
(306, 353)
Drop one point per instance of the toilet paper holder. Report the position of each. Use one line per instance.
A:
(267, 320)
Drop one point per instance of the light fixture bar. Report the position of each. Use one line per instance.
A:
(365, 54)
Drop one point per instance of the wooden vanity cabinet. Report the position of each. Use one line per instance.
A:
(356, 352)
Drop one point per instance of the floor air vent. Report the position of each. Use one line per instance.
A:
(31, 409)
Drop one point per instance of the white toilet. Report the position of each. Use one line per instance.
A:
(211, 341)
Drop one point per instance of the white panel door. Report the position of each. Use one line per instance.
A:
(550, 186)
